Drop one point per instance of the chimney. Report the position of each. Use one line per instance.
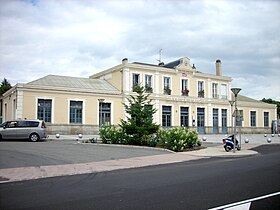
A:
(124, 61)
(218, 67)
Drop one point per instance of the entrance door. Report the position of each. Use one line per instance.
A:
(200, 120)
(224, 121)
(184, 116)
(215, 121)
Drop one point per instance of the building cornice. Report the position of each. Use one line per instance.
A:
(212, 76)
(69, 91)
(137, 66)
(12, 90)
(73, 90)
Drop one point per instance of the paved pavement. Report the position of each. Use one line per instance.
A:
(14, 154)
(36, 172)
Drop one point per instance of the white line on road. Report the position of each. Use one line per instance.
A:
(240, 203)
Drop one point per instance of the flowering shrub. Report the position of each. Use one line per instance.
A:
(185, 92)
(112, 134)
(177, 139)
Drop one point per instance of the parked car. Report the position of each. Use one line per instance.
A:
(34, 130)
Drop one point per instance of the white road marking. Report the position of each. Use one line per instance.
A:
(237, 204)
(245, 206)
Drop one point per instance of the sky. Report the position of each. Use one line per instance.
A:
(83, 37)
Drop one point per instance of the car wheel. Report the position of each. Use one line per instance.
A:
(34, 137)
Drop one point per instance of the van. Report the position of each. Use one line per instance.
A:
(34, 130)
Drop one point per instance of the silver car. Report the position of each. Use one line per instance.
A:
(34, 130)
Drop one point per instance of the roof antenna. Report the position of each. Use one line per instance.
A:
(160, 63)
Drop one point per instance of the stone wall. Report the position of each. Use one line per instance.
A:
(66, 129)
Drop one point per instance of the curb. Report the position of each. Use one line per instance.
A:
(79, 141)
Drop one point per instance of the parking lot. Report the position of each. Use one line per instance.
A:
(58, 152)
(67, 150)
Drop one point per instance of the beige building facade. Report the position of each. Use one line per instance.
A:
(182, 95)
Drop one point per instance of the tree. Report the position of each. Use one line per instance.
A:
(139, 124)
(270, 101)
(5, 86)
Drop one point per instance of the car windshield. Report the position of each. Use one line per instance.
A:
(3, 124)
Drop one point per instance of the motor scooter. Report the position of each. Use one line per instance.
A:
(229, 143)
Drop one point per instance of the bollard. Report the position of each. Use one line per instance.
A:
(246, 140)
(80, 136)
(269, 140)
(272, 135)
(204, 138)
(57, 135)
(265, 135)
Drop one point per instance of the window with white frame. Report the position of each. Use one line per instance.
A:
(184, 116)
(166, 85)
(104, 113)
(200, 89)
(266, 119)
(253, 118)
(215, 90)
(135, 79)
(76, 112)
(44, 110)
(224, 91)
(239, 118)
(166, 116)
(184, 87)
(148, 83)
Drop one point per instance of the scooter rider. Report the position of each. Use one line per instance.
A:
(232, 139)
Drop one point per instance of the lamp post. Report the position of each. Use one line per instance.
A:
(235, 91)
(231, 105)
(101, 100)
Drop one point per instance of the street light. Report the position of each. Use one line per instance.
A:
(101, 100)
(235, 91)
(231, 105)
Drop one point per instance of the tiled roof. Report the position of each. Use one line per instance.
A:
(247, 99)
(172, 64)
(147, 64)
(93, 85)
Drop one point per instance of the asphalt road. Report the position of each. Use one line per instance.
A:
(200, 184)
(23, 153)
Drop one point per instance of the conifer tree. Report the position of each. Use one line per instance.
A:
(5, 86)
(139, 124)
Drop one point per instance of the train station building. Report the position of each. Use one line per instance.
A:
(182, 95)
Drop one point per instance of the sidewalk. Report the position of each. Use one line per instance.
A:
(252, 138)
(211, 138)
(29, 173)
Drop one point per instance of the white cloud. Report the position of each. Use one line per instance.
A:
(79, 38)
